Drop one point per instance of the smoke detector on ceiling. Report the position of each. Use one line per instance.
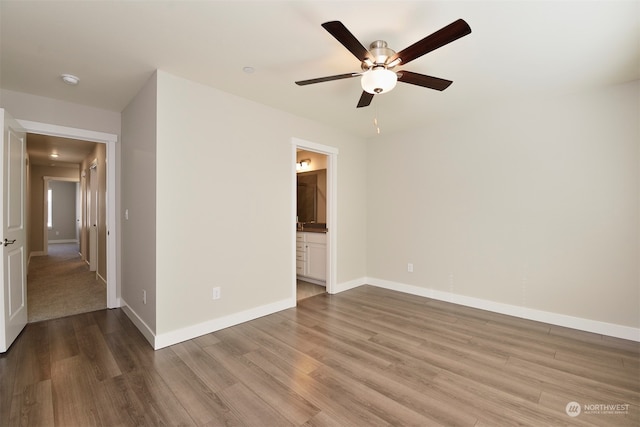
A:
(70, 79)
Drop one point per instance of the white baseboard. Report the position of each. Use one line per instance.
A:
(190, 332)
(138, 322)
(32, 254)
(53, 242)
(345, 286)
(598, 327)
(179, 335)
(101, 278)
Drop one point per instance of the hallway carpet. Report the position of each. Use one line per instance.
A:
(60, 284)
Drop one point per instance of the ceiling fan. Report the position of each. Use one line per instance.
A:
(378, 61)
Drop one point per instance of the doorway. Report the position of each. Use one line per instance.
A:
(311, 223)
(109, 198)
(67, 267)
(321, 226)
(66, 192)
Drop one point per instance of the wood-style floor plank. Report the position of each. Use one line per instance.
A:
(334, 406)
(62, 338)
(200, 402)
(96, 353)
(296, 409)
(33, 405)
(73, 393)
(35, 365)
(159, 402)
(365, 357)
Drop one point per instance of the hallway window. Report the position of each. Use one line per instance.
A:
(49, 209)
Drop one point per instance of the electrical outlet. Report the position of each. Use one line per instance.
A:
(216, 293)
(144, 296)
(410, 268)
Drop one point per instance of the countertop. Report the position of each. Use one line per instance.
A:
(312, 228)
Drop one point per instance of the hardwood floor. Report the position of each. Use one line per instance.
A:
(306, 289)
(365, 357)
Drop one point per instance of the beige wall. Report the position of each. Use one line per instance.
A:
(219, 224)
(52, 111)
(138, 197)
(533, 204)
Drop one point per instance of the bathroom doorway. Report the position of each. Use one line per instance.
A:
(315, 218)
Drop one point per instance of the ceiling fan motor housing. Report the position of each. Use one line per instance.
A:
(379, 53)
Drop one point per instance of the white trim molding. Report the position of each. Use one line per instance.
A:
(557, 319)
(159, 341)
(67, 132)
(345, 286)
(167, 339)
(179, 335)
(144, 329)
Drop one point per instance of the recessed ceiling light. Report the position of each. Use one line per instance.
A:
(70, 79)
(248, 70)
(54, 155)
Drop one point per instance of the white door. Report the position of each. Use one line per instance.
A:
(13, 298)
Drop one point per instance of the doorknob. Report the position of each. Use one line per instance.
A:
(9, 242)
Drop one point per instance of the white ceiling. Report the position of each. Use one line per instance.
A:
(516, 49)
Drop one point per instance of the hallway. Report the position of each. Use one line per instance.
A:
(60, 284)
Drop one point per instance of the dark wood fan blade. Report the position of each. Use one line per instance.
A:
(365, 99)
(443, 36)
(348, 40)
(327, 79)
(422, 80)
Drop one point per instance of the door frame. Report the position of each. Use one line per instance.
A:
(113, 301)
(332, 206)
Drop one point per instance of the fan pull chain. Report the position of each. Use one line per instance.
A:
(375, 122)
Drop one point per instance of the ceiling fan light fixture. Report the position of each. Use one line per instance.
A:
(378, 80)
